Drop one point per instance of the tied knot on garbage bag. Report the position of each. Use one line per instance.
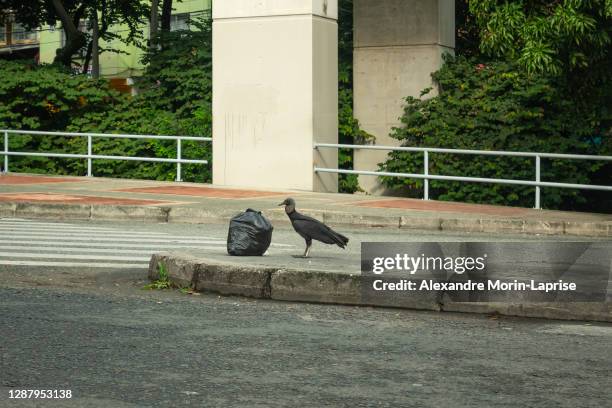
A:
(250, 234)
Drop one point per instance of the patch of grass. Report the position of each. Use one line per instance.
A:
(163, 282)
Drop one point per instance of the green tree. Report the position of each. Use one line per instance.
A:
(546, 36)
(178, 76)
(108, 14)
(496, 106)
(37, 13)
(538, 77)
(568, 40)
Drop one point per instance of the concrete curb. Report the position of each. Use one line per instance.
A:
(190, 215)
(340, 288)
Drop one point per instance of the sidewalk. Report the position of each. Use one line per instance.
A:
(287, 278)
(84, 198)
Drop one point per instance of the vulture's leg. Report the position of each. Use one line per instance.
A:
(307, 251)
(308, 245)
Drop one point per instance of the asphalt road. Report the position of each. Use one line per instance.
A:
(168, 349)
(95, 332)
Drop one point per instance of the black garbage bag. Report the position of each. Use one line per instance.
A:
(250, 234)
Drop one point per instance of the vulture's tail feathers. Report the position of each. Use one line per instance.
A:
(339, 239)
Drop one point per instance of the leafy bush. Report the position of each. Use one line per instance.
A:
(135, 116)
(48, 98)
(495, 106)
(174, 99)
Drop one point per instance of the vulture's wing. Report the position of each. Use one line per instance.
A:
(308, 226)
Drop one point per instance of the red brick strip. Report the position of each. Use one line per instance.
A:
(73, 199)
(202, 192)
(14, 179)
(422, 205)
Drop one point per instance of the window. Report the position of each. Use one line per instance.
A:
(13, 33)
(21, 35)
(179, 22)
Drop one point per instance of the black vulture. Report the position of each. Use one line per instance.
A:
(310, 229)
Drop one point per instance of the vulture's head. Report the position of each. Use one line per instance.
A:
(289, 204)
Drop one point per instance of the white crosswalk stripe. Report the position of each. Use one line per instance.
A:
(75, 264)
(72, 256)
(59, 249)
(106, 237)
(107, 244)
(33, 243)
(75, 230)
(62, 227)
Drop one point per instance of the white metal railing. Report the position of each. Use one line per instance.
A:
(537, 183)
(90, 156)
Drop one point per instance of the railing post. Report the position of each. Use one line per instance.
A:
(426, 173)
(537, 189)
(178, 156)
(89, 152)
(6, 150)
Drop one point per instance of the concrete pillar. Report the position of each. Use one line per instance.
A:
(275, 92)
(398, 44)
